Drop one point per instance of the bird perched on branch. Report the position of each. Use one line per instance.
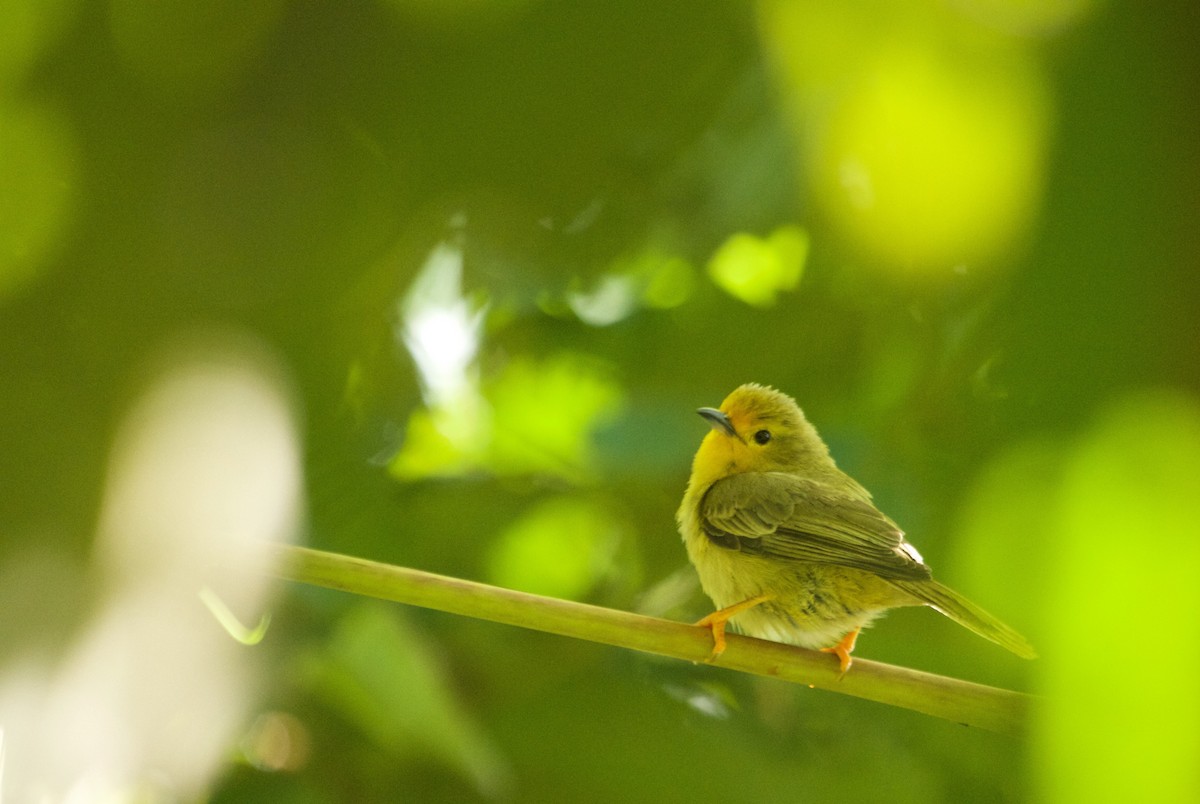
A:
(791, 546)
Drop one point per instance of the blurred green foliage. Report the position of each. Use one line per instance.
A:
(755, 269)
(562, 548)
(1125, 565)
(505, 250)
(376, 672)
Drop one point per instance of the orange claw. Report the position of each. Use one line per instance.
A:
(843, 650)
(716, 622)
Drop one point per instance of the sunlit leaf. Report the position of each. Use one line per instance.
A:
(545, 414)
(429, 451)
(756, 269)
(534, 418)
(561, 548)
(1119, 719)
(924, 139)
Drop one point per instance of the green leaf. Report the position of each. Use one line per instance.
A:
(755, 269)
(1119, 721)
(561, 548)
(380, 673)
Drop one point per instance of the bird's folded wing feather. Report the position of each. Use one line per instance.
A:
(788, 517)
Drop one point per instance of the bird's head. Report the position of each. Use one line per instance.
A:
(757, 429)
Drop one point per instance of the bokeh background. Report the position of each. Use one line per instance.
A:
(441, 284)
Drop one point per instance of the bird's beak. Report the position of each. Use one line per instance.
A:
(718, 421)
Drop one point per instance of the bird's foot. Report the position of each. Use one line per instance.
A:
(717, 621)
(843, 650)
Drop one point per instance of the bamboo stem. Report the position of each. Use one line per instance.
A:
(963, 702)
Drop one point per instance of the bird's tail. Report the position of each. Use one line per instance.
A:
(968, 615)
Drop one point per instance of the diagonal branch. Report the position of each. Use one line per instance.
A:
(960, 701)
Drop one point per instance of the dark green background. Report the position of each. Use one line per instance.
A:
(293, 189)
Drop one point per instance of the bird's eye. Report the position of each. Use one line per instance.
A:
(762, 436)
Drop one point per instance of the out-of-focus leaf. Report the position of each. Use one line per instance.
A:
(1119, 721)
(37, 178)
(1006, 530)
(545, 413)
(537, 417)
(669, 280)
(756, 269)
(429, 451)
(923, 140)
(381, 675)
(561, 548)
(610, 300)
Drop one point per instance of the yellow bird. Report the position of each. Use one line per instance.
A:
(792, 546)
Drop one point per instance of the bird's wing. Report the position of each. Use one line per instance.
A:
(787, 517)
